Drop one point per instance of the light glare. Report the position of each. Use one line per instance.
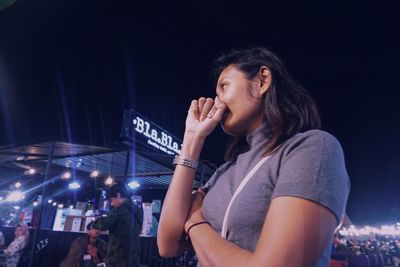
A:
(15, 196)
(94, 174)
(74, 185)
(109, 181)
(66, 175)
(133, 185)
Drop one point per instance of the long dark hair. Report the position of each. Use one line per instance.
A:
(288, 107)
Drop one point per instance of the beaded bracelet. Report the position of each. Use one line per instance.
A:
(195, 224)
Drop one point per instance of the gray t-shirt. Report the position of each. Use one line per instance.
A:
(309, 165)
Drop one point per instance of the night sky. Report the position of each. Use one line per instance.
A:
(69, 68)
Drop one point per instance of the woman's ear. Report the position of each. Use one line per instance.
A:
(264, 76)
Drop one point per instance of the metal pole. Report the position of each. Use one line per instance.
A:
(128, 157)
(45, 178)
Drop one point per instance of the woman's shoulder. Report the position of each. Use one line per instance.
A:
(315, 137)
(311, 142)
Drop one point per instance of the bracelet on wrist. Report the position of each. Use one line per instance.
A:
(190, 163)
(196, 224)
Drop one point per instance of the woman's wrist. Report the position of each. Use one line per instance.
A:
(190, 225)
(192, 146)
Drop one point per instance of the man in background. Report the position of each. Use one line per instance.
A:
(124, 223)
(86, 250)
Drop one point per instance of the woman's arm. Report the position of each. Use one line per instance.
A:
(295, 233)
(203, 116)
(170, 238)
(15, 246)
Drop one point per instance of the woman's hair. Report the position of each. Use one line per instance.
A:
(288, 107)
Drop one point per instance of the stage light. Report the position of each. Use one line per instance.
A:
(71, 206)
(133, 185)
(17, 207)
(17, 185)
(31, 171)
(54, 204)
(35, 203)
(60, 206)
(15, 196)
(49, 201)
(66, 175)
(74, 186)
(109, 181)
(94, 174)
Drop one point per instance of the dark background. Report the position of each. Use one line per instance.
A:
(68, 69)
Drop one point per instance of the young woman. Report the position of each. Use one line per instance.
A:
(280, 196)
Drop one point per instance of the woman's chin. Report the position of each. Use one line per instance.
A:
(229, 129)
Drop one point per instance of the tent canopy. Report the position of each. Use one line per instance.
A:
(139, 162)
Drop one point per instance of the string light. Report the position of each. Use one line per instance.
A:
(109, 181)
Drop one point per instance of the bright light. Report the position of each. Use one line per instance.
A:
(71, 207)
(74, 185)
(60, 206)
(31, 171)
(109, 181)
(17, 207)
(66, 175)
(35, 203)
(1, 198)
(54, 203)
(94, 174)
(20, 158)
(49, 201)
(133, 185)
(15, 196)
(17, 185)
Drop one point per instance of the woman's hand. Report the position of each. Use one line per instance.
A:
(203, 116)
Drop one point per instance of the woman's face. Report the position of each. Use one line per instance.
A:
(243, 99)
(18, 231)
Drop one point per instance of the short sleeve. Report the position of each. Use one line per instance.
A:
(313, 168)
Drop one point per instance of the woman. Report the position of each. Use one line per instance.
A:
(281, 194)
(14, 251)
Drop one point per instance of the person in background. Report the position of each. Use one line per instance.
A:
(86, 250)
(11, 255)
(2, 240)
(124, 223)
(283, 190)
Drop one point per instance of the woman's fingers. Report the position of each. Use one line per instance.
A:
(194, 109)
(200, 103)
(219, 110)
(206, 108)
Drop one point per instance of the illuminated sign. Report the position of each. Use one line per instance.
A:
(152, 134)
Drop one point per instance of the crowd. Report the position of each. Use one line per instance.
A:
(123, 224)
(382, 246)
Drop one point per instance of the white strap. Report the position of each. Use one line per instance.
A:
(238, 190)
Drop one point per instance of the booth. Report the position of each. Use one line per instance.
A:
(58, 187)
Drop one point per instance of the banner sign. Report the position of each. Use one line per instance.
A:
(137, 127)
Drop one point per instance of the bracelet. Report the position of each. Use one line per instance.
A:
(185, 162)
(195, 224)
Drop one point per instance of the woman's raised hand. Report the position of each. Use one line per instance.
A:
(203, 116)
